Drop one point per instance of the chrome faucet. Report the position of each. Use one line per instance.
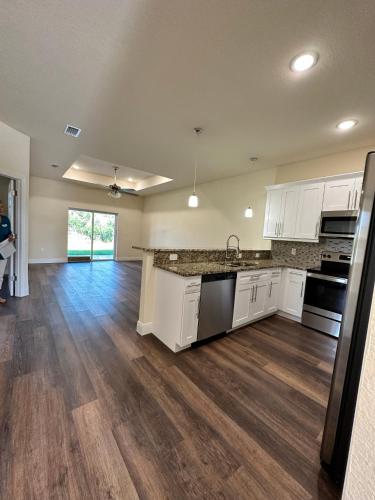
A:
(237, 248)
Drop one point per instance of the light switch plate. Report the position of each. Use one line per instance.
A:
(294, 251)
(173, 256)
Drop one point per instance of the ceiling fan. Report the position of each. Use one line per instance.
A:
(115, 191)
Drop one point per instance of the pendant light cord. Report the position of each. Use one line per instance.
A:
(198, 132)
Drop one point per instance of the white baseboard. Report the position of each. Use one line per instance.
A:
(124, 259)
(144, 328)
(55, 260)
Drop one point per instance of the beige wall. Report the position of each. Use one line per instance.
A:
(360, 474)
(49, 204)
(168, 222)
(340, 163)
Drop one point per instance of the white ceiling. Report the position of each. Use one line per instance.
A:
(90, 170)
(138, 75)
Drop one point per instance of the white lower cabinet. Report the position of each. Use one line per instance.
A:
(241, 311)
(257, 295)
(176, 309)
(190, 313)
(274, 292)
(293, 292)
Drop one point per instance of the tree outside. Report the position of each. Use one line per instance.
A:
(81, 231)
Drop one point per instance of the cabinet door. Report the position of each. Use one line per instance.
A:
(338, 195)
(241, 311)
(190, 311)
(309, 211)
(289, 211)
(272, 215)
(258, 304)
(272, 304)
(357, 192)
(294, 292)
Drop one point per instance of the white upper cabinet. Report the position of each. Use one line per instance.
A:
(288, 213)
(339, 195)
(308, 212)
(293, 211)
(273, 208)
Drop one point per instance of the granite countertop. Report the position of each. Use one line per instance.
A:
(200, 268)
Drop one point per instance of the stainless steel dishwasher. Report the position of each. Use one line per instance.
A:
(216, 304)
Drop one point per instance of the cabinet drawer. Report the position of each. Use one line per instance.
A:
(259, 276)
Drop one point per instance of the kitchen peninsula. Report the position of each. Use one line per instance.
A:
(264, 283)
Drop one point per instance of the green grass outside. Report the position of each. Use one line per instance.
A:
(75, 253)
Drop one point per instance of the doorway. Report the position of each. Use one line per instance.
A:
(91, 235)
(8, 195)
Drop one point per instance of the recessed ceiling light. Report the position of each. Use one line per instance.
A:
(130, 179)
(254, 158)
(76, 167)
(347, 124)
(54, 165)
(304, 61)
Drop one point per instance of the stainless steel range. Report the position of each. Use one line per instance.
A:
(325, 293)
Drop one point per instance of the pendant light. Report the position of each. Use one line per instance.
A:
(249, 212)
(193, 201)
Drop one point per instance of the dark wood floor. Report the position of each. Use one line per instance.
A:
(88, 409)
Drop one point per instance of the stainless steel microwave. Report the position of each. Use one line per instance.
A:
(340, 224)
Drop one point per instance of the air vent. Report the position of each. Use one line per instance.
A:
(72, 131)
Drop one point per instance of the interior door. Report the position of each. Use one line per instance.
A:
(12, 218)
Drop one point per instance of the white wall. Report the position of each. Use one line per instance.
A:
(49, 204)
(168, 222)
(360, 473)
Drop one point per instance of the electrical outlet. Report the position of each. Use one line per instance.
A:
(293, 251)
(173, 256)
(257, 255)
(240, 255)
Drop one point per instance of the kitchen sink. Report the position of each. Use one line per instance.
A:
(241, 264)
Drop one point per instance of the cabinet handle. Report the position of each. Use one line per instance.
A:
(256, 292)
(252, 294)
(349, 199)
(302, 289)
(355, 199)
(316, 229)
(270, 292)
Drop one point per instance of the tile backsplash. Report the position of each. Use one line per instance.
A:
(309, 252)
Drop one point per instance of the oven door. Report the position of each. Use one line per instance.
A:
(325, 295)
(324, 303)
(339, 224)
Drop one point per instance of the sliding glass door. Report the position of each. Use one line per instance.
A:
(91, 235)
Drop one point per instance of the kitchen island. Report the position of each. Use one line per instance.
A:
(171, 290)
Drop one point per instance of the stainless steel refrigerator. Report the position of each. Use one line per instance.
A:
(351, 343)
